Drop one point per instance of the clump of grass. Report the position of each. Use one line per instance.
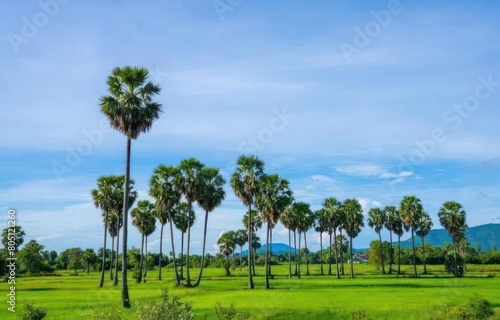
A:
(229, 313)
(32, 312)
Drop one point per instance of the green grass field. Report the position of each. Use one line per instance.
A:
(312, 297)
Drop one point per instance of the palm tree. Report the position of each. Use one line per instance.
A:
(108, 197)
(398, 229)
(305, 220)
(143, 218)
(18, 235)
(274, 196)
(390, 224)
(410, 210)
(353, 223)
(164, 186)
(288, 221)
(321, 226)
(245, 181)
(114, 231)
(211, 196)
(184, 218)
(424, 226)
(227, 243)
(241, 240)
(131, 110)
(256, 224)
(452, 218)
(150, 228)
(335, 214)
(162, 217)
(190, 186)
(377, 220)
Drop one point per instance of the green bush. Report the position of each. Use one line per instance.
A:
(229, 313)
(479, 308)
(165, 308)
(32, 312)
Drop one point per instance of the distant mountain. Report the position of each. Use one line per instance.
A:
(276, 248)
(486, 235)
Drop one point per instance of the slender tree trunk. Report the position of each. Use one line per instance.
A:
(177, 280)
(342, 252)
(250, 238)
(125, 295)
(197, 283)
(188, 280)
(352, 258)
(336, 254)
(145, 261)
(381, 252)
(88, 267)
(307, 254)
(115, 282)
(399, 255)
(139, 276)
(111, 260)
(295, 252)
(254, 253)
(270, 250)
(455, 257)
(423, 251)
(321, 251)
(414, 252)
(101, 282)
(391, 257)
(160, 258)
(330, 255)
(300, 255)
(267, 256)
(182, 255)
(289, 254)
(241, 258)
(227, 266)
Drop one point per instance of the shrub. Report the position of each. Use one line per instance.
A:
(229, 313)
(479, 308)
(165, 308)
(32, 312)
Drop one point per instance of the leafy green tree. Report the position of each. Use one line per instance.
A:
(75, 259)
(165, 187)
(424, 226)
(210, 197)
(391, 225)
(376, 220)
(336, 217)
(273, 198)
(353, 223)
(13, 238)
(410, 211)
(30, 258)
(244, 182)
(130, 110)
(143, 218)
(227, 243)
(89, 259)
(452, 218)
(321, 226)
(184, 218)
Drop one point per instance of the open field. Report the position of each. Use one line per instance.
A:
(312, 297)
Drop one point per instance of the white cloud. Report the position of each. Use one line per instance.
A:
(371, 170)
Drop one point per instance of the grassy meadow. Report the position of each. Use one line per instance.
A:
(312, 297)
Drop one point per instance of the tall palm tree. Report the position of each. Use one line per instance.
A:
(184, 218)
(353, 223)
(162, 217)
(288, 221)
(131, 110)
(452, 218)
(245, 181)
(227, 243)
(376, 220)
(142, 215)
(273, 198)
(335, 214)
(241, 240)
(390, 224)
(150, 228)
(191, 185)
(108, 197)
(256, 224)
(424, 226)
(164, 186)
(305, 221)
(398, 229)
(114, 227)
(321, 226)
(410, 211)
(211, 196)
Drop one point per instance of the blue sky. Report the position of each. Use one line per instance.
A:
(346, 99)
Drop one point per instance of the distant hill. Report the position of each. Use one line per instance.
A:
(277, 249)
(486, 235)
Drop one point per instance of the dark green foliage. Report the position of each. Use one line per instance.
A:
(450, 265)
(229, 313)
(476, 309)
(32, 312)
(164, 308)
